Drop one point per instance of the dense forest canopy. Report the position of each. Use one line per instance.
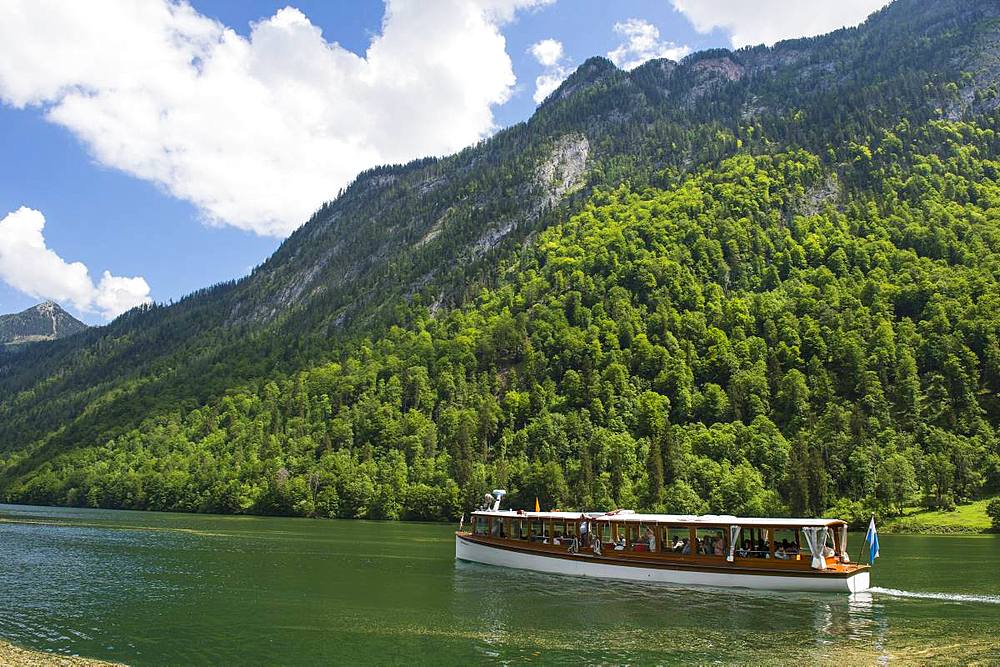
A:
(770, 335)
(761, 282)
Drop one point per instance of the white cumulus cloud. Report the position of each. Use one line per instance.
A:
(31, 267)
(256, 131)
(642, 43)
(770, 21)
(550, 54)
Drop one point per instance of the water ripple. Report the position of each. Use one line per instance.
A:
(946, 597)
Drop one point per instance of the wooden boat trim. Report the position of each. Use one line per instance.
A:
(767, 568)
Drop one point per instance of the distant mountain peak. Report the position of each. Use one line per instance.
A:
(45, 321)
(593, 70)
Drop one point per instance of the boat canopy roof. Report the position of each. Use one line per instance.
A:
(632, 517)
(518, 514)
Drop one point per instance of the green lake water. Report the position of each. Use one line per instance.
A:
(173, 589)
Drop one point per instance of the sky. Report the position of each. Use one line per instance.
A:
(150, 148)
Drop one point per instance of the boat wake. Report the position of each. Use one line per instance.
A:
(945, 597)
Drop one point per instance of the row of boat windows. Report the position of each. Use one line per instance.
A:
(676, 540)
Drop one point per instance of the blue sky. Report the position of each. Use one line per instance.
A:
(118, 197)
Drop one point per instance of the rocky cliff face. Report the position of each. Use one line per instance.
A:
(46, 321)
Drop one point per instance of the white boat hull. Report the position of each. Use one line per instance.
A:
(468, 550)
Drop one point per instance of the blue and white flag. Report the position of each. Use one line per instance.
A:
(872, 538)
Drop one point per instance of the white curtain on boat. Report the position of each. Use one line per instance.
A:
(816, 539)
(843, 544)
(734, 536)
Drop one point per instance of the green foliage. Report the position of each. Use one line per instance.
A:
(773, 289)
(967, 518)
(993, 512)
(724, 345)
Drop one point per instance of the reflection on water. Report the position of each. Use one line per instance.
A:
(165, 589)
(612, 621)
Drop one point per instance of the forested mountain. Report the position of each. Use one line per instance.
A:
(46, 321)
(760, 281)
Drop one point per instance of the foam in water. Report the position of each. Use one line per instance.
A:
(946, 597)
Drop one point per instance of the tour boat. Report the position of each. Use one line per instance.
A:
(707, 550)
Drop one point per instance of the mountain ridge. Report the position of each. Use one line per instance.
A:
(437, 233)
(45, 321)
(287, 284)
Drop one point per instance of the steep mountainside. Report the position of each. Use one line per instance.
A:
(46, 321)
(368, 363)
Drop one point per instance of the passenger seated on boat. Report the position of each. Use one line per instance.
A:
(763, 551)
(686, 549)
(620, 543)
(744, 551)
(680, 543)
(718, 549)
(792, 549)
(705, 546)
(780, 553)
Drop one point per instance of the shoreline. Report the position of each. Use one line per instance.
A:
(945, 531)
(904, 525)
(19, 656)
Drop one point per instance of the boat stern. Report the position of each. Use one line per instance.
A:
(860, 581)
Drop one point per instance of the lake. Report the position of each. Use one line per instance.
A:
(179, 589)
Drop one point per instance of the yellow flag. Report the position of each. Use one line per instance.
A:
(537, 508)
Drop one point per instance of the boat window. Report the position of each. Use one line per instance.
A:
(634, 533)
(482, 525)
(571, 529)
(536, 531)
(619, 535)
(804, 549)
(678, 540)
(788, 545)
(753, 543)
(604, 532)
(631, 533)
(559, 530)
(711, 542)
(644, 537)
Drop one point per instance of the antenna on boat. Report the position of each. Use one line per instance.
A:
(498, 495)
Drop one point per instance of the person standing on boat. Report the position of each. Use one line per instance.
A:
(650, 538)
